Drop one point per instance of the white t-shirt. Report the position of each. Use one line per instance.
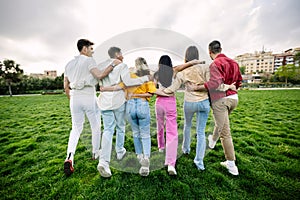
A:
(115, 99)
(78, 73)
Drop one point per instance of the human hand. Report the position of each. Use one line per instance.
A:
(232, 86)
(116, 62)
(150, 77)
(191, 86)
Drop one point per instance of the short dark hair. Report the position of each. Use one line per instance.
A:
(83, 43)
(112, 51)
(191, 54)
(215, 47)
(165, 71)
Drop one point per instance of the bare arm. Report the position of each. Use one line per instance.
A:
(110, 88)
(162, 93)
(67, 86)
(140, 95)
(100, 74)
(181, 67)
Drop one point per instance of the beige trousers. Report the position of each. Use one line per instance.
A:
(221, 111)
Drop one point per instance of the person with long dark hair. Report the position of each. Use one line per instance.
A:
(166, 114)
(195, 102)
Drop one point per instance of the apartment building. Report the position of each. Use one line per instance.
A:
(285, 58)
(266, 62)
(256, 62)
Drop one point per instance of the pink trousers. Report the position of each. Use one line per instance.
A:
(166, 114)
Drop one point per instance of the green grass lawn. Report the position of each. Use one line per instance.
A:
(34, 132)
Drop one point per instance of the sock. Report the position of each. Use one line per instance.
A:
(70, 156)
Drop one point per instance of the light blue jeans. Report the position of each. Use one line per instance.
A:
(138, 115)
(201, 108)
(112, 119)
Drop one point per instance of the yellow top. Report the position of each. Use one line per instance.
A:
(148, 87)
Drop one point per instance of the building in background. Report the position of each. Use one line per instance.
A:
(257, 62)
(286, 58)
(261, 63)
(47, 74)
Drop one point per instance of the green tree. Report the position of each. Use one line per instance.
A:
(287, 72)
(242, 69)
(10, 72)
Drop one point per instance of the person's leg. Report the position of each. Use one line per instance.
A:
(106, 142)
(160, 118)
(202, 115)
(221, 114)
(171, 132)
(143, 117)
(131, 114)
(94, 116)
(77, 115)
(189, 110)
(120, 131)
(225, 136)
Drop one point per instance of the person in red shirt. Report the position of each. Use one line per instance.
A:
(227, 71)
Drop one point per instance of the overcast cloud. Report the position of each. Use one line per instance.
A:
(42, 35)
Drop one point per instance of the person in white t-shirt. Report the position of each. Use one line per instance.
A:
(80, 77)
(112, 105)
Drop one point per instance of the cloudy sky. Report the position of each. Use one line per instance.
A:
(41, 35)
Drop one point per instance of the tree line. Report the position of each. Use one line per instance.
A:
(13, 80)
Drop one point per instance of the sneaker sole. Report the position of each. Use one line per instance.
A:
(102, 172)
(68, 168)
(144, 171)
(172, 173)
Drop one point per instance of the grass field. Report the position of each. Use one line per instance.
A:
(34, 133)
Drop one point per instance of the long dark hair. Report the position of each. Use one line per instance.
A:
(191, 53)
(165, 71)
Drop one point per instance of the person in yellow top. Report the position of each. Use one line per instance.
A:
(138, 111)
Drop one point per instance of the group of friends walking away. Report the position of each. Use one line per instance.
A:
(125, 95)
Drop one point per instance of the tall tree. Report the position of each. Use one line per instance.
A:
(10, 72)
(287, 71)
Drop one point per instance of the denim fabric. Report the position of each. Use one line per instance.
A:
(112, 119)
(138, 115)
(201, 109)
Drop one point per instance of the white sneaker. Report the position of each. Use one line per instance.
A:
(104, 170)
(144, 170)
(161, 150)
(231, 169)
(172, 171)
(211, 142)
(121, 155)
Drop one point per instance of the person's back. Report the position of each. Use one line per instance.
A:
(112, 100)
(78, 73)
(197, 74)
(230, 72)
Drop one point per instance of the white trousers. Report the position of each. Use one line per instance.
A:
(81, 105)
